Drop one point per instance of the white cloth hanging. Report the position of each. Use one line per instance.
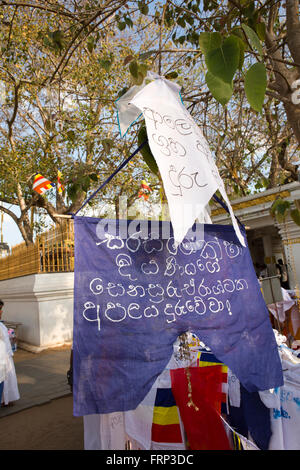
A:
(189, 173)
(104, 431)
(4, 358)
(234, 391)
(281, 307)
(138, 422)
(284, 403)
(10, 389)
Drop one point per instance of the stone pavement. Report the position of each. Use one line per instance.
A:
(41, 376)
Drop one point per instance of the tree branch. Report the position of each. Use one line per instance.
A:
(38, 6)
(15, 110)
(84, 26)
(293, 29)
(10, 213)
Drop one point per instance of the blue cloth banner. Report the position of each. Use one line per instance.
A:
(135, 292)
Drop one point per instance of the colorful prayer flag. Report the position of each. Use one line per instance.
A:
(206, 359)
(144, 190)
(41, 184)
(60, 187)
(145, 186)
(166, 424)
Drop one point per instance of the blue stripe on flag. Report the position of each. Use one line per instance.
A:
(164, 397)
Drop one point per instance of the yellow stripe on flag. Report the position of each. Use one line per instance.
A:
(207, 364)
(165, 415)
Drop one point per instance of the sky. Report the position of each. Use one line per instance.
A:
(11, 233)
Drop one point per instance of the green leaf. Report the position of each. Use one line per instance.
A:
(255, 85)
(85, 183)
(146, 152)
(144, 9)
(253, 39)
(223, 61)
(243, 47)
(261, 30)
(181, 22)
(220, 90)
(181, 39)
(295, 214)
(105, 64)
(90, 44)
(57, 38)
(71, 135)
(209, 41)
(249, 9)
(128, 21)
(279, 209)
(143, 69)
(121, 25)
(94, 177)
(133, 69)
(171, 75)
(274, 205)
(146, 55)
(72, 191)
(122, 92)
(107, 144)
(237, 31)
(139, 79)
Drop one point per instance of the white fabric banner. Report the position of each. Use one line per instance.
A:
(234, 392)
(8, 374)
(104, 431)
(138, 422)
(187, 167)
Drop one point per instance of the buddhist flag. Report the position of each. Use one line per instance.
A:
(166, 424)
(206, 359)
(41, 184)
(60, 187)
(144, 190)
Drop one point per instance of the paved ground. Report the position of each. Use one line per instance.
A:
(41, 377)
(43, 417)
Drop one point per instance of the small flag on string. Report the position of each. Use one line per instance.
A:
(144, 190)
(60, 187)
(41, 184)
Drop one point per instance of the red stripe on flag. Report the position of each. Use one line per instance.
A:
(37, 178)
(203, 425)
(166, 433)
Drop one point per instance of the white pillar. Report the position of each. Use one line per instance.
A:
(267, 243)
(290, 235)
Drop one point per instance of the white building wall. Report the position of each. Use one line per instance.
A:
(43, 304)
(290, 234)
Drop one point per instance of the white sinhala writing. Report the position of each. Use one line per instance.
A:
(192, 285)
(112, 242)
(124, 263)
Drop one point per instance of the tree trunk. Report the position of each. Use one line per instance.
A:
(293, 117)
(286, 76)
(27, 237)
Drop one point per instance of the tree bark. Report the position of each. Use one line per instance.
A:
(284, 76)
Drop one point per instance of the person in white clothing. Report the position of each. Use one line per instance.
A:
(10, 387)
(3, 363)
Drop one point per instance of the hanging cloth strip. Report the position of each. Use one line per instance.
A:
(223, 204)
(120, 167)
